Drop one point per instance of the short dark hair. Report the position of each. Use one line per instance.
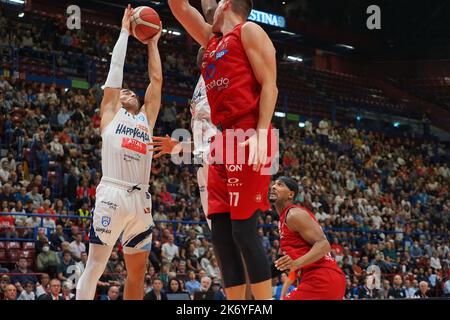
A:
(242, 7)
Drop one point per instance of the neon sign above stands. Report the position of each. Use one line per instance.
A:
(268, 18)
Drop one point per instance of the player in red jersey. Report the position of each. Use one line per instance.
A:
(239, 69)
(306, 249)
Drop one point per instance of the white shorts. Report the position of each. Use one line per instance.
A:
(202, 179)
(122, 212)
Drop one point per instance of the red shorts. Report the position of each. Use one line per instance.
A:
(319, 284)
(234, 186)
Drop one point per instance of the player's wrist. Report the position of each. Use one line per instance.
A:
(125, 31)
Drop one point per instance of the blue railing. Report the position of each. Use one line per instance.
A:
(174, 223)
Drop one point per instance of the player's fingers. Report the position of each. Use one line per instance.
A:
(155, 149)
(158, 155)
(154, 143)
(251, 155)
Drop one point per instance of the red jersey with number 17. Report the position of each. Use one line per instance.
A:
(231, 85)
(293, 245)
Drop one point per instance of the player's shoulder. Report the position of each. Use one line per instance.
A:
(252, 27)
(299, 212)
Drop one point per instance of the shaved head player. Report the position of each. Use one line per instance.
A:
(305, 247)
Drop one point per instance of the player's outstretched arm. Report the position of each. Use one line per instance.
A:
(152, 100)
(191, 20)
(261, 54)
(300, 221)
(110, 103)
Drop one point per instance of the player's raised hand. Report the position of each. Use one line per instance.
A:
(163, 145)
(285, 263)
(126, 20)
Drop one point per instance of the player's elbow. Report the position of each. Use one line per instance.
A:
(325, 246)
(177, 5)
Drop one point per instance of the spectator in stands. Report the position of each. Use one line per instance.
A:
(204, 292)
(174, 286)
(66, 291)
(47, 261)
(113, 261)
(55, 289)
(27, 293)
(35, 197)
(7, 224)
(156, 293)
(43, 287)
(63, 267)
(410, 291)
(9, 160)
(397, 291)
(10, 292)
(192, 285)
(7, 194)
(22, 274)
(283, 278)
(65, 246)
(56, 148)
(4, 281)
(77, 247)
(5, 173)
(218, 291)
(57, 238)
(423, 291)
(169, 250)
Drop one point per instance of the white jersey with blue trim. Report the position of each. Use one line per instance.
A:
(125, 154)
(202, 127)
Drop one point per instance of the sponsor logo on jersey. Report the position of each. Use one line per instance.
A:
(133, 132)
(258, 197)
(106, 221)
(130, 157)
(141, 117)
(219, 84)
(234, 167)
(234, 182)
(102, 230)
(148, 195)
(202, 188)
(210, 71)
(134, 145)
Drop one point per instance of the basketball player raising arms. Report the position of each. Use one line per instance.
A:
(123, 204)
(239, 70)
(305, 247)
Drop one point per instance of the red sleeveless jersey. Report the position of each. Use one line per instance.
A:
(293, 245)
(231, 86)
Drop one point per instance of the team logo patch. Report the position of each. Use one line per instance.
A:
(147, 195)
(146, 210)
(106, 221)
(258, 197)
(141, 117)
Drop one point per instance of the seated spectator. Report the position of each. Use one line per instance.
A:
(113, 294)
(47, 261)
(63, 267)
(65, 246)
(43, 287)
(169, 250)
(279, 287)
(174, 286)
(55, 289)
(57, 238)
(218, 291)
(66, 291)
(10, 292)
(204, 292)
(22, 273)
(423, 291)
(27, 293)
(156, 293)
(35, 196)
(397, 291)
(77, 247)
(192, 285)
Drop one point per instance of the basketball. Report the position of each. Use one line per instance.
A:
(145, 23)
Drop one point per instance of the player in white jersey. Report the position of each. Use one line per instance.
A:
(123, 204)
(202, 128)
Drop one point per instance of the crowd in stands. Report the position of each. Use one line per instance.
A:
(382, 201)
